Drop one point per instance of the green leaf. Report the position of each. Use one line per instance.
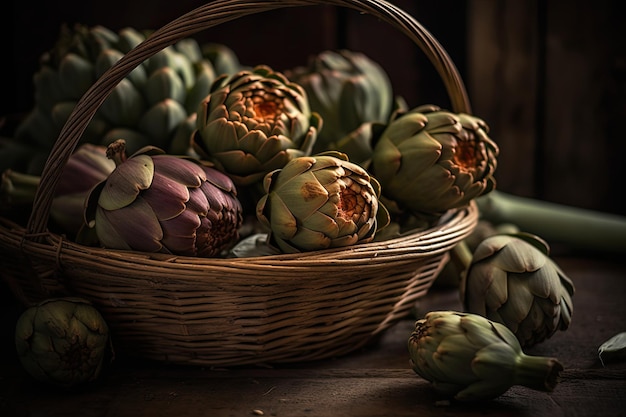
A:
(614, 348)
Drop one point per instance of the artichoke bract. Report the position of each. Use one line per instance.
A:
(62, 341)
(512, 280)
(468, 357)
(429, 160)
(347, 89)
(155, 202)
(320, 202)
(254, 122)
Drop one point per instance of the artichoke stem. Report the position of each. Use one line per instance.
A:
(461, 256)
(538, 372)
(575, 227)
(117, 151)
(17, 188)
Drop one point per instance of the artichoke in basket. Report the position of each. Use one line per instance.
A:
(155, 202)
(512, 280)
(84, 169)
(154, 105)
(320, 202)
(348, 90)
(429, 160)
(469, 358)
(254, 122)
(62, 341)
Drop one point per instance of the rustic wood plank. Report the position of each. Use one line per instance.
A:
(585, 104)
(502, 61)
(375, 381)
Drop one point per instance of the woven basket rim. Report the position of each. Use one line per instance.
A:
(435, 239)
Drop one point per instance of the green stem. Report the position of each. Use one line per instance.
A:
(461, 256)
(537, 372)
(17, 189)
(575, 227)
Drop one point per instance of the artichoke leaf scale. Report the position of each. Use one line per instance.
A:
(344, 240)
(518, 305)
(520, 257)
(319, 222)
(220, 136)
(178, 170)
(305, 198)
(284, 224)
(308, 239)
(126, 182)
(143, 234)
(166, 197)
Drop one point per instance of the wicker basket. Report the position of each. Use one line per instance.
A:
(226, 312)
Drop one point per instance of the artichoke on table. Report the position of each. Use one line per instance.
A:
(62, 341)
(512, 280)
(468, 357)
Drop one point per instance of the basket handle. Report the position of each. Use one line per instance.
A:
(204, 17)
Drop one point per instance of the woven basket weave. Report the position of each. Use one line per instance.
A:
(270, 309)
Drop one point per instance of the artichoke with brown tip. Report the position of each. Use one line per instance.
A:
(154, 202)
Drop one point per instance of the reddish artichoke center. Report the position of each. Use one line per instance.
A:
(266, 107)
(466, 154)
(351, 204)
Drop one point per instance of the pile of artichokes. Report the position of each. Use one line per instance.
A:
(321, 155)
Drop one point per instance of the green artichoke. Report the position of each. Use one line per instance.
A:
(347, 89)
(154, 202)
(429, 160)
(154, 105)
(469, 358)
(320, 202)
(512, 280)
(62, 341)
(254, 122)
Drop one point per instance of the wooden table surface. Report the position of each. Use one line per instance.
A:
(374, 381)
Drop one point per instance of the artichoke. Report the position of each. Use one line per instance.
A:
(154, 105)
(84, 169)
(347, 89)
(62, 341)
(469, 358)
(429, 160)
(320, 202)
(512, 280)
(254, 122)
(154, 202)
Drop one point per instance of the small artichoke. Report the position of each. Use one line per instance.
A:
(320, 202)
(62, 341)
(154, 202)
(430, 160)
(254, 122)
(347, 89)
(468, 357)
(512, 280)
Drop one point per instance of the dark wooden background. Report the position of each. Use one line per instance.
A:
(549, 77)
